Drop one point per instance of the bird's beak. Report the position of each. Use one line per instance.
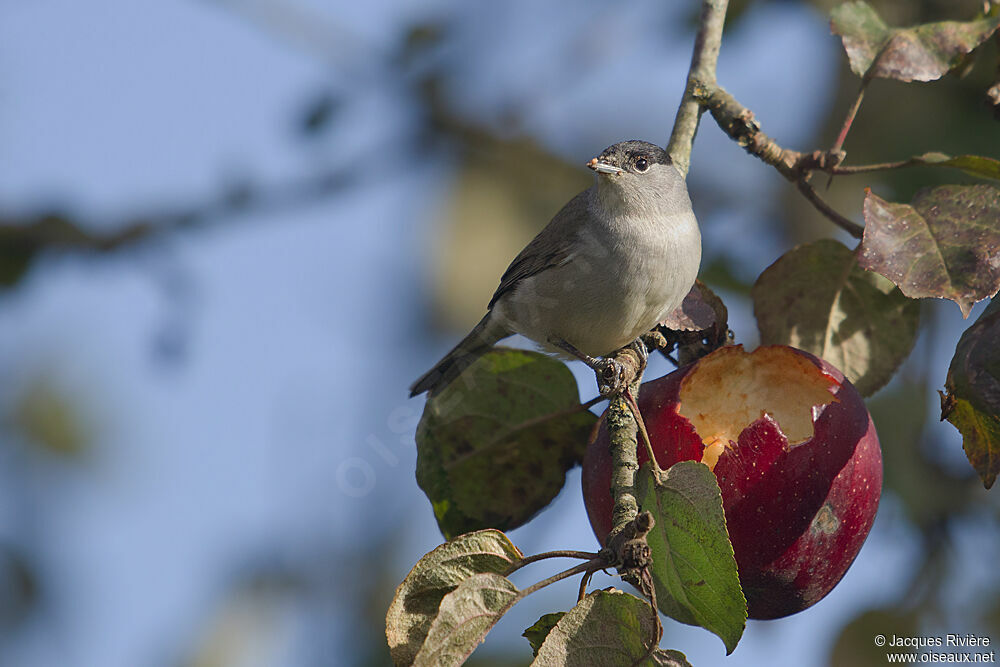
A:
(603, 167)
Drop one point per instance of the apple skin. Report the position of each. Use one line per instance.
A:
(797, 515)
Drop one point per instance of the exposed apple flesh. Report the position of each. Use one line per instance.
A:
(796, 456)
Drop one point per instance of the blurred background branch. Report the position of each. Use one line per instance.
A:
(22, 239)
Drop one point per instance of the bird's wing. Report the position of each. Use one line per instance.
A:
(550, 248)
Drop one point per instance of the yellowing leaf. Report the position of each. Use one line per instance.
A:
(417, 600)
(973, 401)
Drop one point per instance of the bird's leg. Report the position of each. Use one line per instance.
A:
(569, 348)
(611, 373)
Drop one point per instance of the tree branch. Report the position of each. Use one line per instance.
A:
(623, 432)
(739, 123)
(704, 59)
(637, 415)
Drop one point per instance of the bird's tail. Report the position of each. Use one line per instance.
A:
(480, 339)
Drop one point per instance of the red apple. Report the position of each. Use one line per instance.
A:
(796, 456)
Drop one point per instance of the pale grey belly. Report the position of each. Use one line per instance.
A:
(596, 311)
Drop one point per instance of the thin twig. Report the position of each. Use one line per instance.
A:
(865, 168)
(739, 123)
(564, 553)
(590, 566)
(849, 226)
(849, 119)
(838, 145)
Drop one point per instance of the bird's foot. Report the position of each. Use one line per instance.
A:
(639, 347)
(617, 372)
(612, 376)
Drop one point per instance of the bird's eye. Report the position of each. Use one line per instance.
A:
(641, 165)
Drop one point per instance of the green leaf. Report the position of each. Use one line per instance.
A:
(944, 244)
(694, 570)
(972, 404)
(478, 463)
(817, 298)
(606, 629)
(465, 616)
(417, 599)
(920, 53)
(974, 165)
(537, 633)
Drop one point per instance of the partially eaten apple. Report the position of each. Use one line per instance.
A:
(796, 456)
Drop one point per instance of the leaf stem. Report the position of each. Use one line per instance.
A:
(634, 407)
(564, 553)
(587, 576)
(650, 590)
(849, 226)
(865, 168)
(590, 566)
(849, 119)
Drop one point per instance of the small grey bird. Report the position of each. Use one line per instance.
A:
(606, 269)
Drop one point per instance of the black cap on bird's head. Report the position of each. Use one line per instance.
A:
(633, 156)
(639, 178)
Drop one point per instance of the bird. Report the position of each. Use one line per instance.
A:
(610, 265)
